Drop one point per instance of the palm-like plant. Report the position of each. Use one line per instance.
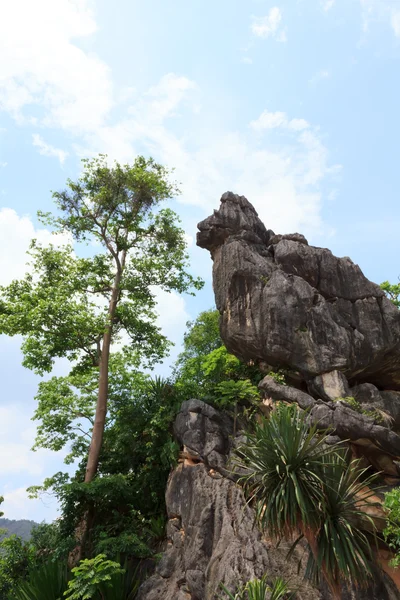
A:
(343, 547)
(259, 589)
(283, 460)
(48, 582)
(300, 484)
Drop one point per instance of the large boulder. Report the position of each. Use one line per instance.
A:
(295, 306)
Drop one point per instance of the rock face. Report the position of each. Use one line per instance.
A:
(283, 304)
(211, 532)
(295, 306)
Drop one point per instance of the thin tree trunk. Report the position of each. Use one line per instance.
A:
(96, 441)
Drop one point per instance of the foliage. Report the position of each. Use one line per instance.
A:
(343, 548)
(90, 576)
(259, 589)
(207, 371)
(392, 291)
(101, 579)
(202, 336)
(72, 307)
(299, 483)
(16, 557)
(231, 392)
(373, 413)
(392, 531)
(48, 582)
(138, 452)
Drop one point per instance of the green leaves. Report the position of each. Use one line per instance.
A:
(89, 576)
(392, 291)
(283, 460)
(230, 392)
(392, 530)
(259, 589)
(298, 482)
(48, 582)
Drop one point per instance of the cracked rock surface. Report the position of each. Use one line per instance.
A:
(296, 306)
(211, 533)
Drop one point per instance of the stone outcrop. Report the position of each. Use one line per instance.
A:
(284, 305)
(212, 537)
(292, 305)
(288, 305)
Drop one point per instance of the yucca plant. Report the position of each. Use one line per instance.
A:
(343, 550)
(259, 589)
(48, 582)
(300, 484)
(283, 460)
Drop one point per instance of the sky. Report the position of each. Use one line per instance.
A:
(292, 103)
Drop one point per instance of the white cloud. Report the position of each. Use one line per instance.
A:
(328, 4)
(19, 463)
(395, 22)
(246, 60)
(41, 66)
(48, 150)
(269, 25)
(16, 232)
(208, 162)
(273, 120)
(385, 11)
(172, 315)
(17, 505)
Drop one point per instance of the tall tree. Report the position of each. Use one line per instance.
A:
(78, 307)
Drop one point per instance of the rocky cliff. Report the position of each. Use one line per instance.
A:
(288, 305)
(212, 537)
(284, 305)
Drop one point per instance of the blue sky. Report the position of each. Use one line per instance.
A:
(292, 103)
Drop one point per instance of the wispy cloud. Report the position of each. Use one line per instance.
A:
(328, 4)
(269, 25)
(395, 22)
(319, 76)
(273, 120)
(47, 150)
(386, 11)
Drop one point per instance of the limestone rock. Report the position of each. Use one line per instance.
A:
(292, 305)
(212, 537)
(330, 386)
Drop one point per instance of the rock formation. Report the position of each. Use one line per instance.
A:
(284, 305)
(292, 305)
(288, 305)
(212, 537)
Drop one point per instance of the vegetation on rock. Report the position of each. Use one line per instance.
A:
(299, 483)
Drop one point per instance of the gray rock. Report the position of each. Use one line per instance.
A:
(212, 536)
(340, 418)
(296, 306)
(276, 391)
(330, 386)
(387, 401)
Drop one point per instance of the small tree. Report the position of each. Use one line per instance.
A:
(74, 307)
(392, 291)
(89, 576)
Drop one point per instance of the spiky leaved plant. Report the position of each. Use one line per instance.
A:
(300, 484)
(259, 589)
